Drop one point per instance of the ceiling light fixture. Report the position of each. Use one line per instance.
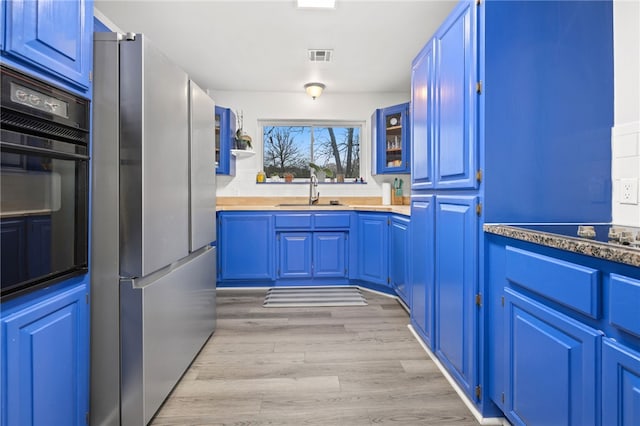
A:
(314, 89)
(317, 4)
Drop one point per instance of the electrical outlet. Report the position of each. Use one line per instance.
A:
(628, 191)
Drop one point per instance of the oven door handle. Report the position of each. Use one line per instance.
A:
(26, 149)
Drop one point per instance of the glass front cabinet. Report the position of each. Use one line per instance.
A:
(225, 130)
(390, 127)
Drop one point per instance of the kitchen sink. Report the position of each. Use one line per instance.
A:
(309, 205)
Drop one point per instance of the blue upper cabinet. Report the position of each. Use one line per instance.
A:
(52, 36)
(392, 139)
(225, 131)
(444, 103)
(422, 113)
(455, 92)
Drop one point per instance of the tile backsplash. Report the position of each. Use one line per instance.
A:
(625, 142)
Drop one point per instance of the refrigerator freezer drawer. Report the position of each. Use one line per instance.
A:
(163, 324)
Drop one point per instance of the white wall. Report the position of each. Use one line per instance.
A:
(625, 135)
(299, 106)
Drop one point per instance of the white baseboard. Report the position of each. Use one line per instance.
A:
(482, 420)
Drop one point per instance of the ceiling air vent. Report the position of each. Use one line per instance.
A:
(323, 55)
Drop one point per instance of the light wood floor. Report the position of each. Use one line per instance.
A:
(312, 366)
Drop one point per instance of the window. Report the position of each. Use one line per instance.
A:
(291, 147)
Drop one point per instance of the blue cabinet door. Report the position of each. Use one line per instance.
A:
(422, 114)
(225, 131)
(329, 254)
(399, 253)
(294, 255)
(246, 244)
(620, 384)
(455, 286)
(455, 106)
(373, 245)
(422, 265)
(552, 372)
(55, 36)
(14, 245)
(45, 361)
(393, 139)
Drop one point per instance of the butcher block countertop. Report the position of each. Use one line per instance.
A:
(371, 204)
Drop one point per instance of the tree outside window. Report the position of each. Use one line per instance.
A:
(290, 149)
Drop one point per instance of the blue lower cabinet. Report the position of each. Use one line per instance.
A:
(620, 384)
(456, 271)
(294, 255)
(552, 365)
(312, 255)
(45, 360)
(246, 242)
(399, 253)
(422, 265)
(373, 245)
(330, 254)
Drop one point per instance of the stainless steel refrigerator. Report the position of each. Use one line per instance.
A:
(153, 229)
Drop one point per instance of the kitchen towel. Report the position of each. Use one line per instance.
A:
(386, 193)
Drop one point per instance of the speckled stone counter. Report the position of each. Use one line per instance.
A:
(608, 251)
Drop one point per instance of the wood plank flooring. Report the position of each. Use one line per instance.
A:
(325, 366)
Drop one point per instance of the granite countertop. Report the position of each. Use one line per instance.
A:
(614, 252)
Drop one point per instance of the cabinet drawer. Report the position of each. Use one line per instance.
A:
(302, 220)
(569, 284)
(332, 220)
(624, 300)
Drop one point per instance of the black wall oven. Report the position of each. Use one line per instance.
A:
(44, 179)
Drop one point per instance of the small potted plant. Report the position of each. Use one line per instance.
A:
(288, 177)
(241, 139)
(321, 172)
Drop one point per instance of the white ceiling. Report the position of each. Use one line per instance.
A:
(262, 45)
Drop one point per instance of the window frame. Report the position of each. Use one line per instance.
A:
(262, 123)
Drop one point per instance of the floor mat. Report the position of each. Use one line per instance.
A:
(284, 297)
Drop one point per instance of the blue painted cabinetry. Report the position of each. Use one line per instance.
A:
(312, 246)
(392, 140)
(54, 37)
(373, 246)
(45, 358)
(456, 270)
(225, 132)
(399, 257)
(484, 119)
(620, 384)
(246, 246)
(294, 255)
(312, 255)
(330, 254)
(563, 323)
(423, 98)
(444, 103)
(552, 365)
(422, 240)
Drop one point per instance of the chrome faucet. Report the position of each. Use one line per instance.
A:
(314, 195)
